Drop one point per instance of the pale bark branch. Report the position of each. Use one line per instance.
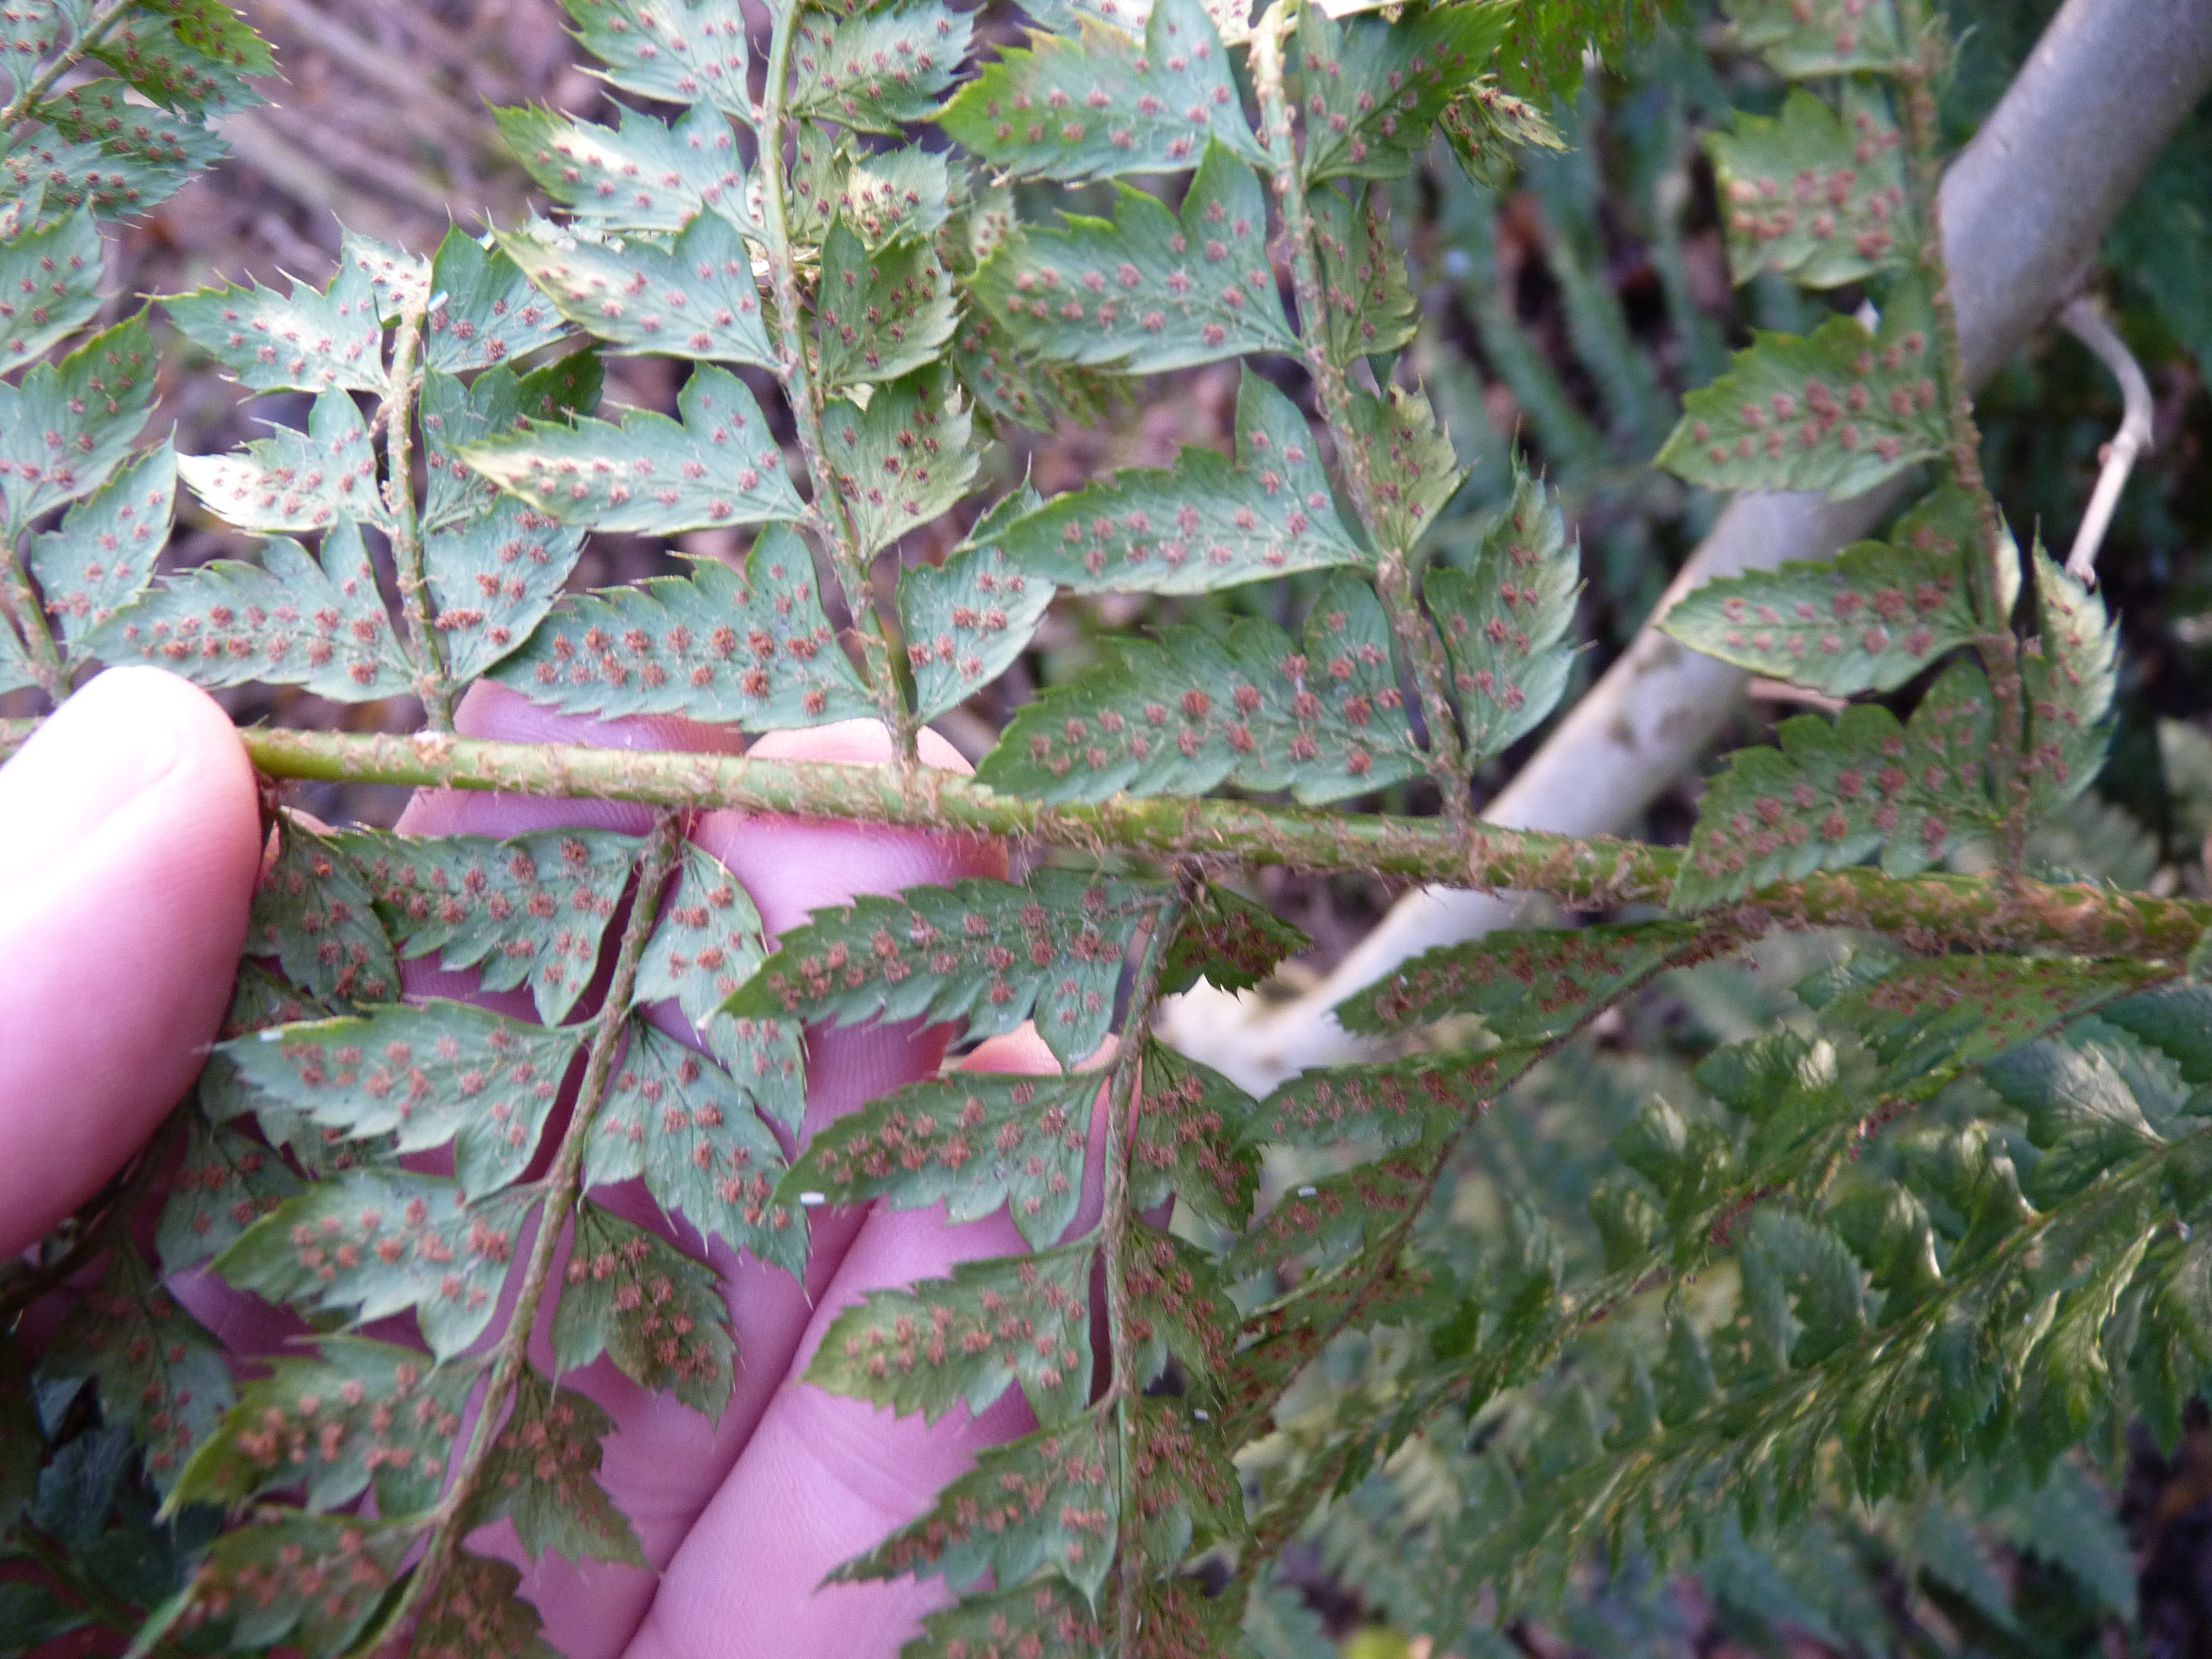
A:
(2086, 322)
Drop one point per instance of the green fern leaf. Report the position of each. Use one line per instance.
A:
(1506, 621)
(1229, 941)
(981, 950)
(681, 1122)
(1867, 620)
(1805, 1290)
(755, 650)
(972, 1141)
(16, 669)
(967, 620)
(309, 1582)
(1837, 410)
(896, 194)
(1806, 39)
(1414, 470)
(159, 1372)
(398, 278)
(2068, 672)
(709, 941)
(102, 556)
(86, 409)
(304, 341)
(390, 1241)
(1406, 1104)
(426, 1073)
(31, 30)
(1149, 292)
(146, 154)
(1015, 387)
(2174, 1020)
(194, 61)
(1051, 1500)
(296, 480)
(873, 70)
(1178, 1308)
(1100, 102)
(679, 52)
(1322, 1223)
(492, 581)
(1191, 1127)
(288, 621)
(1812, 195)
(544, 1474)
(49, 286)
(490, 312)
(356, 1414)
(497, 403)
(479, 1608)
(1184, 1489)
(1043, 1616)
(966, 1338)
(884, 311)
(1529, 987)
(1187, 712)
(658, 1314)
(694, 297)
(2079, 1112)
(716, 464)
(1370, 310)
(1208, 522)
(531, 910)
(315, 915)
(643, 174)
(1376, 89)
(226, 1183)
(903, 460)
(1833, 793)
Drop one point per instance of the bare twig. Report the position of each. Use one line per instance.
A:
(2085, 320)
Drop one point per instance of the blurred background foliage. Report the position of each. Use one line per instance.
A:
(1566, 308)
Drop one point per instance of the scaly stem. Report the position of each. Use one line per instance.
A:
(1417, 636)
(1996, 572)
(453, 1516)
(1115, 1224)
(397, 419)
(19, 605)
(95, 28)
(1933, 912)
(847, 554)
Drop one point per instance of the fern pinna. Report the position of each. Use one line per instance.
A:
(1956, 1196)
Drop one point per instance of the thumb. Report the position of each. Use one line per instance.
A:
(130, 840)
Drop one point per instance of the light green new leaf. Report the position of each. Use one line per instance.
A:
(694, 297)
(1806, 39)
(1097, 102)
(296, 480)
(1410, 459)
(303, 341)
(356, 1414)
(1529, 987)
(159, 1371)
(683, 1123)
(903, 460)
(1867, 620)
(2069, 673)
(315, 914)
(1191, 1139)
(1179, 715)
(895, 193)
(528, 910)
(1370, 310)
(290, 621)
(1833, 793)
(880, 67)
(1208, 522)
(1375, 88)
(1049, 1500)
(1506, 620)
(1838, 410)
(641, 175)
(1153, 290)
(381, 1242)
(426, 1074)
(755, 650)
(307, 1583)
(884, 311)
(1812, 196)
(102, 556)
(490, 312)
(982, 950)
(658, 1314)
(544, 1474)
(967, 620)
(973, 1142)
(1406, 1104)
(398, 278)
(49, 286)
(228, 1181)
(65, 426)
(708, 942)
(717, 465)
(680, 52)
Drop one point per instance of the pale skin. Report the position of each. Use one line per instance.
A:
(131, 831)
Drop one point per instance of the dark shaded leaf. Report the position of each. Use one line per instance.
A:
(2068, 674)
(1043, 1616)
(308, 1582)
(478, 1611)
(226, 1183)
(1192, 1127)
(1529, 987)
(1804, 39)
(655, 1312)
(1404, 1103)
(1229, 941)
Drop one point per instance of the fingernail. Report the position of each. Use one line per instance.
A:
(104, 748)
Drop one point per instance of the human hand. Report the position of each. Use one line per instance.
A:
(742, 1518)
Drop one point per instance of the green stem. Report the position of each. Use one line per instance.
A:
(95, 28)
(455, 1515)
(19, 605)
(804, 392)
(432, 683)
(1417, 636)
